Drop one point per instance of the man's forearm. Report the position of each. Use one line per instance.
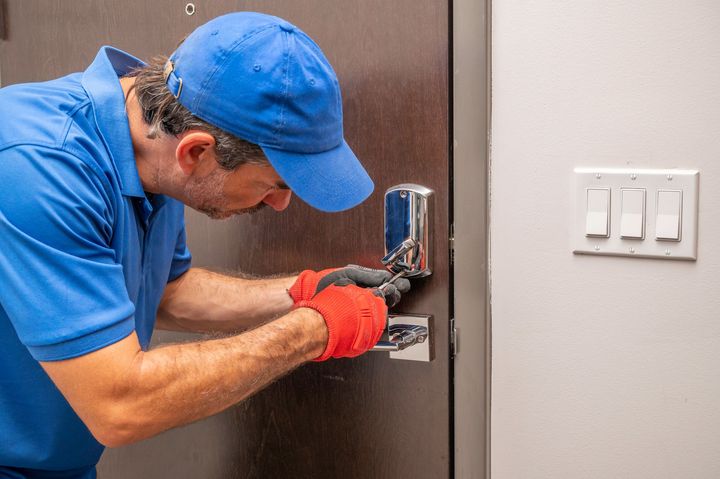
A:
(204, 301)
(177, 384)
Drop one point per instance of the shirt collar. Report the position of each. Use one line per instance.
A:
(100, 81)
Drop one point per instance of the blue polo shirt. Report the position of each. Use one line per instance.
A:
(85, 255)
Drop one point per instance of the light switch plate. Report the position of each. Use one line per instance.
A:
(652, 180)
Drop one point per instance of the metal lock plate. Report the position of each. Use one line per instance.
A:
(416, 328)
(408, 230)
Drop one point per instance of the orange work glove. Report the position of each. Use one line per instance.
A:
(355, 318)
(306, 284)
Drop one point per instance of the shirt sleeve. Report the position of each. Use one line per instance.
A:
(60, 284)
(181, 258)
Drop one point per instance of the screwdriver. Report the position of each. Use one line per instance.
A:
(382, 287)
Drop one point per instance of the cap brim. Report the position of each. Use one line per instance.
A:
(331, 181)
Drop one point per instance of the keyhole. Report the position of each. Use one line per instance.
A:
(190, 8)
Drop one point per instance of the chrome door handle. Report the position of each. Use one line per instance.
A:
(407, 245)
(409, 337)
(402, 336)
(396, 256)
(408, 230)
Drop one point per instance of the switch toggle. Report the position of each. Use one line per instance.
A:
(632, 213)
(597, 217)
(669, 215)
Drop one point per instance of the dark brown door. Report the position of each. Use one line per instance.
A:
(370, 417)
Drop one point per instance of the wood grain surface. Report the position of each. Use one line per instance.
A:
(369, 417)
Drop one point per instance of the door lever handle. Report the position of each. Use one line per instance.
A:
(409, 337)
(402, 336)
(394, 258)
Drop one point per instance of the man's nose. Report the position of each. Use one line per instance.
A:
(278, 199)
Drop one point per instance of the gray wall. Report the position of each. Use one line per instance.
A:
(602, 367)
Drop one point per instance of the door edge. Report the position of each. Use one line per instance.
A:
(470, 131)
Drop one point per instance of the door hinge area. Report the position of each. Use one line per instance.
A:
(453, 339)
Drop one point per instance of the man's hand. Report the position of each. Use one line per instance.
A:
(309, 283)
(355, 318)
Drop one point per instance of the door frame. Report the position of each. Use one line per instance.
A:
(471, 114)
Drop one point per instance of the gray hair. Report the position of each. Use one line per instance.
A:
(164, 114)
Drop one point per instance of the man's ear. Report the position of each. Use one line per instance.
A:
(195, 151)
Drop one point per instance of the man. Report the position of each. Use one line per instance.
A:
(95, 168)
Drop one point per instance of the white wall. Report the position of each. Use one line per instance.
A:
(602, 367)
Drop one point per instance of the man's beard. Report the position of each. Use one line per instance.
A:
(221, 214)
(206, 196)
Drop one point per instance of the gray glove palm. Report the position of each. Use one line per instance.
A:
(309, 283)
(366, 278)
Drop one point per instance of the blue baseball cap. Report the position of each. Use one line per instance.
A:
(264, 80)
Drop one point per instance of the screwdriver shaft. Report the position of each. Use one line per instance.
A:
(391, 280)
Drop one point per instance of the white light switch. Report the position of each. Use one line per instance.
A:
(598, 212)
(632, 213)
(669, 215)
(636, 212)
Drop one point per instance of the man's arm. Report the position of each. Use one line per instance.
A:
(124, 394)
(204, 301)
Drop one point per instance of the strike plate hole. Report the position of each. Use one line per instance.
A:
(190, 8)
